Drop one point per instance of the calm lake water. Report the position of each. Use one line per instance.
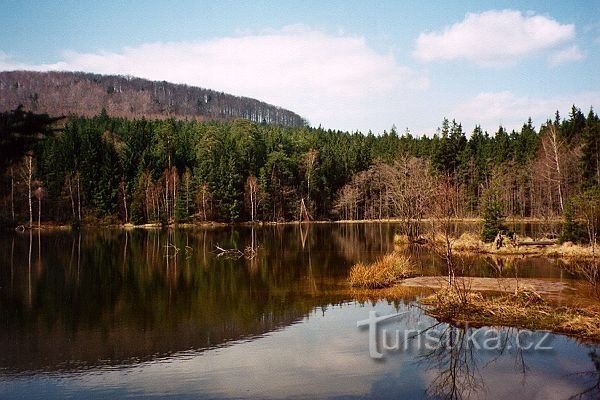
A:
(113, 314)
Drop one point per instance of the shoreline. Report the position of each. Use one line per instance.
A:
(530, 303)
(471, 244)
(467, 243)
(522, 310)
(49, 225)
(497, 304)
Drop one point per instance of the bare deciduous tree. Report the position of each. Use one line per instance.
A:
(27, 175)
(39, 194)
(410, 189)
(253, 196)
(551, 160)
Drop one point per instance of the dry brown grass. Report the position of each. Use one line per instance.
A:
(401, 239)
(569, 249)
(471, 243)
(394, 294)
(384, 272)
(524, 309)
(468, 242)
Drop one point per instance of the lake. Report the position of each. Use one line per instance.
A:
(157, 313)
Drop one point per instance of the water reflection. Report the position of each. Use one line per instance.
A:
(115, 295)
(326, 356)
(457, 374)
(593, 389)
(138, 313)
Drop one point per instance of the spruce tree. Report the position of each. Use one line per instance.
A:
(493, 218)
(590, 158)
(571, 231)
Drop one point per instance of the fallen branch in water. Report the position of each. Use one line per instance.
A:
(231, 253)
(248, 253)
(171, 246)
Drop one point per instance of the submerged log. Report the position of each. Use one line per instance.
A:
(419, 240)
(538, 243)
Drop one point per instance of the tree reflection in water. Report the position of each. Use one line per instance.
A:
(455, 366)
(593, 391)
(84, 297)
(90, 299)
(460, 355)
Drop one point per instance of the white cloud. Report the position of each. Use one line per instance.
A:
(7, 63)
(491, 109)
(332, 79)
(570, 54)
(494, 38)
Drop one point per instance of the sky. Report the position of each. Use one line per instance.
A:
(348, 65)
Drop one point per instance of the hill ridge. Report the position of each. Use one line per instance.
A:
(86, 94)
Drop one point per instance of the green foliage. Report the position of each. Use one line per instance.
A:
(138, 203)
(493, 219)
(19, 132)
(572, 230)
(184, 208)
(587, 209)
(134, 163)
(591, 150)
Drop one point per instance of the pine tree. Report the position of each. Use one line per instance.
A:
(493, 218)
(590, 157)
(138, 202)
(184, 208)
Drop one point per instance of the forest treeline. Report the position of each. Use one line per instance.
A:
(144, 171)
(60, 93)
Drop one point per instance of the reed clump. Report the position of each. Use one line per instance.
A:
(384, 272)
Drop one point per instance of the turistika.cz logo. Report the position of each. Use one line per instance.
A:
(444, 336)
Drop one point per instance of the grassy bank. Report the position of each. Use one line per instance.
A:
(524, 309)
(521, 303)
(471, 243)
(113, 223)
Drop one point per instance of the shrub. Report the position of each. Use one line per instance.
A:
(572, 231)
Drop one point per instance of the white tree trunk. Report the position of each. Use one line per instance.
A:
(125, 203)
(12, 193)
(78, 200)
(555, 150)
(29, 196)
(70, 183)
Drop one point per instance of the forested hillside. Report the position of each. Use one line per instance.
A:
(83, 94)
(168, 171)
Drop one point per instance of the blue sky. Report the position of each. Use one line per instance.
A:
(342, 64)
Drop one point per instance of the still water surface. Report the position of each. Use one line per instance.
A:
(109, 314)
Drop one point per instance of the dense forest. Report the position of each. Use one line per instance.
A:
(144, 171)
(63, 93)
